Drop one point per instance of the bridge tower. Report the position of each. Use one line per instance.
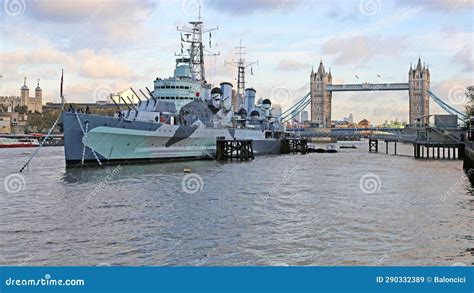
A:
(320, 97)
(419, 99)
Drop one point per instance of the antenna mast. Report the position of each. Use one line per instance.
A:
(196, 49)
(241, 64)
(61, 90)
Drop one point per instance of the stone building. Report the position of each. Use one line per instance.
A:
(320, 98)
(419, 81)
(34, 104)
(12, 122)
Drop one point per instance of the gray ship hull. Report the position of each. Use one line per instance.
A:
(113, 140)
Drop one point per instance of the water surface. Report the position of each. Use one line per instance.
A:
(349, 208)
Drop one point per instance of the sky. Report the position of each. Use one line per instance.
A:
(108, 46)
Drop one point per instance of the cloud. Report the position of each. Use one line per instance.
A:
(250, 6)
(290, 65)
(452, 91)
(443, 5)
(79, 11)
(102, 66)
(116, 20)
(89, 63)
(360, 49)
(464, 57)
(38, 56)
(91, 91)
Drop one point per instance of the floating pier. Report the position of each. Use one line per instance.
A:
(294, 145)
(234, 149)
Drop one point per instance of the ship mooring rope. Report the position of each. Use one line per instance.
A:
(87, 139)
(41, 144)
(84, 146)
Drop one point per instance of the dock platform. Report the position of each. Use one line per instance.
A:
(294, 145)
(234, 149)
(438, 150)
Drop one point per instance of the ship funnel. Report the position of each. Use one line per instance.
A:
(226, 88)
(249, 104)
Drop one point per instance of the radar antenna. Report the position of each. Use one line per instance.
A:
(196, 50)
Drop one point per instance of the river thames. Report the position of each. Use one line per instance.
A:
(349, 208)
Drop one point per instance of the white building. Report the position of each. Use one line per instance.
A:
(349, 119)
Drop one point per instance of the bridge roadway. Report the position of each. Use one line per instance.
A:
(367, 87)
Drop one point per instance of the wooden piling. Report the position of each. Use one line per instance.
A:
(438, 150)
(234, 149)
(373, 145)
(293, 145)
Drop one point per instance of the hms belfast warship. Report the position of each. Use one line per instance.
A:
(180, 119)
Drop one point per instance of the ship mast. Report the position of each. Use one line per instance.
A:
(196, 49)
(241, 65)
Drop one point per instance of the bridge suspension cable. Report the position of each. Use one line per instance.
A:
(290, 110)
(447, 108)
(295, 112)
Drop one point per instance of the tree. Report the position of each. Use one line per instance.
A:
(21, 109)
(41, 122)
(470, 103)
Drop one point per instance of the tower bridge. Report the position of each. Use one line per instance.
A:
(322, 88)
(418, 87)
